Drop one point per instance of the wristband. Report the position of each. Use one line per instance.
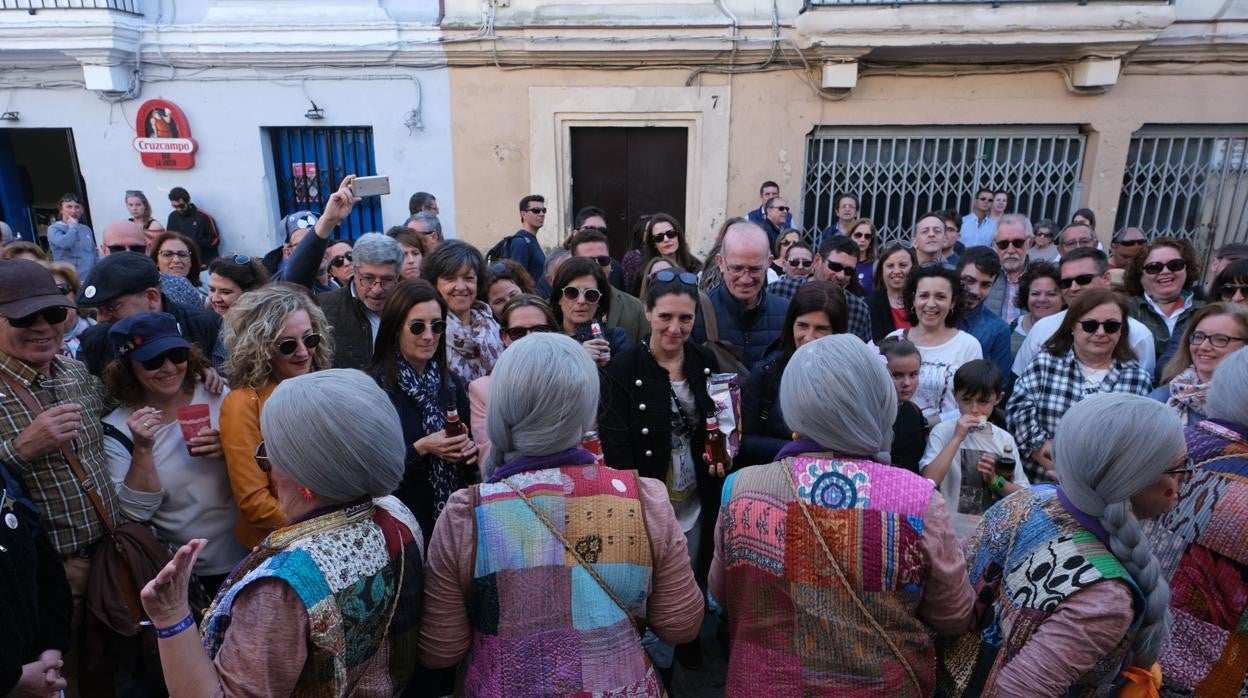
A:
(166, 633)
(997, 485)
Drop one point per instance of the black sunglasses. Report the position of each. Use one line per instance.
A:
(1154, 268)
(665, 235)
(780, 208)
(602, 259)
(117, 249)
(596, 228)
(262, 458)
(340, 260)
(53, 315)
(1082, 280)
(178, 356)
(417, 327)
(1228, 291)
(1005, 244)
(666, 275)
(1131, 243)
(516, 334)
(591, 295)
(535, 210)
(1043, 234)
(801, 263)
(289, 345)
(836, 268)
(1111, 326)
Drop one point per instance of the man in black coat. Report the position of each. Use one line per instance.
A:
(197, 225)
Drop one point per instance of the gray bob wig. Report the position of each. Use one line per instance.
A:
(1108, 447)
(837, 392)
(340, 459)
(1228, 391)
(543, 398)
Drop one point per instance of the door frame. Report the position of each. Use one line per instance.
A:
(703, 111)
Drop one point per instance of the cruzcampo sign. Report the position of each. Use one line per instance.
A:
(163, 136)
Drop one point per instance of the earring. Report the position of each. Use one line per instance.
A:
(306, 494)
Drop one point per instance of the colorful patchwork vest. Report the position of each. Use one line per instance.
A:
(1034, 553)
(1203, 550)
(358, 572)
(541, 625)
(796, 631)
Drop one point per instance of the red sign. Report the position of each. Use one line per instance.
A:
(164, 136)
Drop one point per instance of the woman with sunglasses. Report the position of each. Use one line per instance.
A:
(273, 333)
(141, 212)
(788, 237)
(409, 363)
(176, 254)
(175, 482)
(520, 316)
(342, 264)
(665, 238)
(798, 260)
(581, 296)
(507, 280)
(69, 240)
(66, 278)
(1042, 247)
(888, 287)
(1160, 285)
(457, 270)
(818, 309)
(862, 232)
(1214, 331)
(1077, 596)
(1090, 353)
(1231, 284)
(230, 277)
(1039, 296)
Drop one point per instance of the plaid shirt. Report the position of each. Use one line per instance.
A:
(1049, 386)
(67, 513)
(859, 314)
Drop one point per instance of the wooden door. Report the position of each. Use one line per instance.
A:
(629, 172)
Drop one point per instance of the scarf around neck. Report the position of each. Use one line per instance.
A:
(425, 389)
(1187, 393)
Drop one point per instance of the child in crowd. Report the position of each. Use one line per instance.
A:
(909, 429)
(972, 460)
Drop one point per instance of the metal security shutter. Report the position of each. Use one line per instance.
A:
(1187, 182)
(900, 173)
(309, 164)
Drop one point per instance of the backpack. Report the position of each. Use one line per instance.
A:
(500, 251)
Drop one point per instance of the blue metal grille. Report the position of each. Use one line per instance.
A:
(333, 153)
(32, 6)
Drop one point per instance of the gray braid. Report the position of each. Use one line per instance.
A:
(1129, 544)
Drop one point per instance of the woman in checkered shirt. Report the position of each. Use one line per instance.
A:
(1090, 353)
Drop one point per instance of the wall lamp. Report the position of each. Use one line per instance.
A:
(9, 116)
(315, 113)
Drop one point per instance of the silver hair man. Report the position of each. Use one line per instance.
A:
(837, 392)
(1107, 448)
(341, 460)
(1226, 397)
(375, 248)
(543, 398)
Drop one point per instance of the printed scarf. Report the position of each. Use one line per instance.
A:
(426, 390)
(1187, 393)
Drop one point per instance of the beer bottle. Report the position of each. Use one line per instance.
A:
(716, 447)
(453, 426)
(595, 329)
(1004, 464)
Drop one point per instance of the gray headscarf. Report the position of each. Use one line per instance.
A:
(1226, 397)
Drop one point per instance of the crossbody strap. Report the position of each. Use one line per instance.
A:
(709, 321)
(88, 485)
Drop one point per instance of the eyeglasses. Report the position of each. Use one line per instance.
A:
(602, 259)
(1130, 243)
(666, 275)
(170, 254)
(1016, 243)
(1154, 268)
(785, 209)
(178, 356)
(1187, 466)
(742, 270)
(1079, 242)
(240, 259)
(516, 334)
(841, 268)
(340, 260)
(369, 281)
(117, 249)
(538, 211)
(665, 235)
(1043, 234)
(1227, 291)
(262, 458)
(417, 328)
(1111, 326)
(591, 295)
(65, 287)
(1082, 280)
(1218, 340)
(801, 263)
(861, 236)
(289, 345)
(53, 315)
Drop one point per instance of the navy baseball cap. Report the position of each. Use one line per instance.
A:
(297, 220)
(118, 274)
(144, 336)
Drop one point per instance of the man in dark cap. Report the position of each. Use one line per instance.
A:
(126, 283)
(50, 406)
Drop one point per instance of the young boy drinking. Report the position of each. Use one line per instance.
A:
(909, 429)
(973, 461)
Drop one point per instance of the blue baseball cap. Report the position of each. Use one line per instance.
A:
(299, 219)
(144, 336)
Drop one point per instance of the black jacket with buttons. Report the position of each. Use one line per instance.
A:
(635, 425)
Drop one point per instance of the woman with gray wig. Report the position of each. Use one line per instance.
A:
(832, 567)
(514, 560)
(288, 619)
(1079, 598)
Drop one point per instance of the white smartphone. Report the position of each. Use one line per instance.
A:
(371, 186)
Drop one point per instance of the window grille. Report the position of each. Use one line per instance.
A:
(32, 6)
(901, 173)
(1190, 183)
(310, 162)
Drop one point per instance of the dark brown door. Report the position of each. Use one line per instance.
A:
(629, 172)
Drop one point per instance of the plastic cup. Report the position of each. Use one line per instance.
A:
(192, 419)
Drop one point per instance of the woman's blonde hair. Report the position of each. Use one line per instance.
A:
(254, 324)
(1183, 356)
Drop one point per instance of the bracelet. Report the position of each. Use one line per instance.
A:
(166, 633)
(997, 485)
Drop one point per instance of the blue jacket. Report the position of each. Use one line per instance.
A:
(525, 250)
(750, 331)
(994, 337)
(74, 244)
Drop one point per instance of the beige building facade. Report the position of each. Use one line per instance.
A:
(1136, 110)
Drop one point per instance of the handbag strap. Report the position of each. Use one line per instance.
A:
(840, 575)
(709, 321)
(88, 485)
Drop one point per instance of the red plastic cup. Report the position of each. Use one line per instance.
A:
(192, 419)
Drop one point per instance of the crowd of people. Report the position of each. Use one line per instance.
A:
(404, 465)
